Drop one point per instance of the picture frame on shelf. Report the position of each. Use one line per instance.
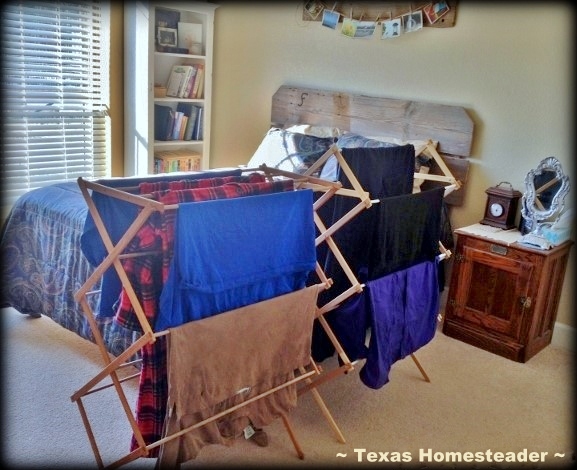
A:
(167, 37)
(190, 37)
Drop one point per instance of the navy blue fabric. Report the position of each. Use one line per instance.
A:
(350, 322)
(229, 253)
(117, 216)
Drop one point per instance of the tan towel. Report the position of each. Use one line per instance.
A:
(249, 349)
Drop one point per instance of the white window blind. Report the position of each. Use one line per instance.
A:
(54, 93)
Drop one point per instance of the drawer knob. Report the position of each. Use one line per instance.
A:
(525, 302)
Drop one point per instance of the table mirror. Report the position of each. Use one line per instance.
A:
(543, 200)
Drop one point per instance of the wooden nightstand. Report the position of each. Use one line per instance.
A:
(503, 296)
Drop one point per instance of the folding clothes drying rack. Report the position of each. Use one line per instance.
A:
(311, 376)
(147, 207)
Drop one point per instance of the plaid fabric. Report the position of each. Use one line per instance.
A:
(149, 187)
(143, 273)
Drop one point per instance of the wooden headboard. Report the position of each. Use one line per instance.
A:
(450, 126)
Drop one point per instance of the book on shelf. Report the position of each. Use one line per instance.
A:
(176, 126)
(199, 78)
(177, 80)
(163, 122)
(200, 92)
(183, 159)
(190, 110)
(198, 125)
(182, 127)
(190, 81)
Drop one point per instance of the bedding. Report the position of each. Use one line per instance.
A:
(289, 151)
(50, 247)
(43, 265)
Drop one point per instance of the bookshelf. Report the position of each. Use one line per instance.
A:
(158, 36)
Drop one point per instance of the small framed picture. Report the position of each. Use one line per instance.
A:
(391, 28)
(167, 37)
(434, 11)
(314, 8)
(412, 21)
(331, 18)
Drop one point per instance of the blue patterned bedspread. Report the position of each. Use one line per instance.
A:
(43, 265)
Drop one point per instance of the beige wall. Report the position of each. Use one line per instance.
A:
(508, 65)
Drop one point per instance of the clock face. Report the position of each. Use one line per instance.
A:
(496, 209)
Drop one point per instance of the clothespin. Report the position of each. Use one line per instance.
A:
(444, 251)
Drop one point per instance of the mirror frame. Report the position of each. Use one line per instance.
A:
(529, 209)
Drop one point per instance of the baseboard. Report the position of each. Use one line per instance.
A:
(563, 337)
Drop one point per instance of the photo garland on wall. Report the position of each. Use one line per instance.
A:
(356, 28)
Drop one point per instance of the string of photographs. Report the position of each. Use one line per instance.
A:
(392, 27)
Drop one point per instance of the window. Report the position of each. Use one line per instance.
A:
(54, 94)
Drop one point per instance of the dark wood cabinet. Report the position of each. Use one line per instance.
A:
(503, 297)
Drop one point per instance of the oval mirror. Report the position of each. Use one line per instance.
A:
(544, 197)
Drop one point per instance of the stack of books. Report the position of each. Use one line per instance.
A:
(184, 123)
(168, 161)
(186, 81)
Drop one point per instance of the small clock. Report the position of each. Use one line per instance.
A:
(501, 208)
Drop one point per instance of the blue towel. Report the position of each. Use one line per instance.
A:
(117, 215)
(229, 253)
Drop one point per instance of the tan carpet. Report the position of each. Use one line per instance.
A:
(476, 402)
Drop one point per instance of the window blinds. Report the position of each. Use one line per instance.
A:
(54, 93)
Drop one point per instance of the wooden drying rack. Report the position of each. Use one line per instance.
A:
(311, 378)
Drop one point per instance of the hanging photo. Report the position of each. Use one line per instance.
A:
(412, 21)
(365, 29)
(391, 28)
(358, 29)
(331, 18)
(314, 8)
(349, 27)
(434, 11)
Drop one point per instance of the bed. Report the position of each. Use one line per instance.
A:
(41, 245)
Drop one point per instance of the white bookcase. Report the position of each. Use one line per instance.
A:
(146, 64)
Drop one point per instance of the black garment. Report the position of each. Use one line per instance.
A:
(407, 231)
(382, 172)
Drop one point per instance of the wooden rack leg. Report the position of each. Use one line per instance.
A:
(90, 433)
(328, 416)
(425, 376)
(321, 404)
(291, 433)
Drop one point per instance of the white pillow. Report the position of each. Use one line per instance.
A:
(317, 131)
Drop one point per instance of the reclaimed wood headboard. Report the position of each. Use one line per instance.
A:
(450, 126)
